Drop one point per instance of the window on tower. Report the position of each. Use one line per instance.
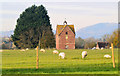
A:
(66, 35)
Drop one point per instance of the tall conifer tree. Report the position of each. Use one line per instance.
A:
(32, 27)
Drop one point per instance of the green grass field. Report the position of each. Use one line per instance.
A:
(24, 62)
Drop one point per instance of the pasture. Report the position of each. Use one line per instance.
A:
(24, 62)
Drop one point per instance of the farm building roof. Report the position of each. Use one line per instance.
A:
(61, 27)
(102, 44)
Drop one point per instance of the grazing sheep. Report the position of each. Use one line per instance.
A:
(35, 48)
(55, 52)
(110, 47)
(42, 50)
(22, 49)
(84, 54)
(62, 55)
(1, 50)
(102, 48)
(27, 49)
(107, 56)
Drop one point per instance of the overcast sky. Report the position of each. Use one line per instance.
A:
(79, 13)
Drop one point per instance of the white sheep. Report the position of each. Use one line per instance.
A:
(62, 55)
(110, 47)
(102, 48)
(84, 54)
(1, 50)
(55, 52)
(27, 49)
(35, 48)
(22, 49)
(107, 56)
(93, 48)
(42, 50)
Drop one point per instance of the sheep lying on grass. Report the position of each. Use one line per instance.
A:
(42, 50)
(107, 56)
(55, 52)
(84, 54)
(62, 55)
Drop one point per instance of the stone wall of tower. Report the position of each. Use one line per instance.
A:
(62, 42)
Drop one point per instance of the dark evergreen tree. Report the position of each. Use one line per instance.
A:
(32, 27)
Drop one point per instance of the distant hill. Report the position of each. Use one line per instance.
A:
(97, 30)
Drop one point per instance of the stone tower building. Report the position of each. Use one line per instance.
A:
(65, 36)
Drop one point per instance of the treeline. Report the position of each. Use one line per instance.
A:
(6, 43)
(113, 38)
(85, 43)
(91, 42)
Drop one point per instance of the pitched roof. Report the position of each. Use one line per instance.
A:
(61, 27)
(102, 44)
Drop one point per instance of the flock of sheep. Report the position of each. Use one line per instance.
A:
(62, 54)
